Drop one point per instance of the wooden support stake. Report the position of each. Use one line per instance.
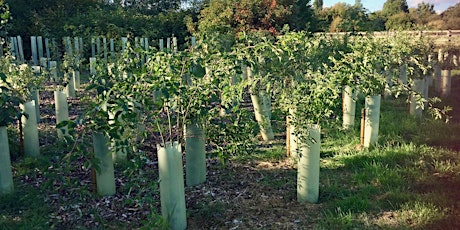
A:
(93, 180)
(363, 118)
(21, 139)
(288, 137)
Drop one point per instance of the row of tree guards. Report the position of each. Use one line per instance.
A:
(270, 71)
(43, 50)
(104, 148)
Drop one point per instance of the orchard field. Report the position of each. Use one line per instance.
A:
(299, 132)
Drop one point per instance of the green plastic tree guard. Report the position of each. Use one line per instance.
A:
(262, 110)
(77, 50)
(112, 50)
(68, 46)
(195, 149)
(415, 108)
(118, 155)
(20, 49)
(70, 87)
(76, 79)
(308, 167)
(36, 97)
(161, 44)
(98, 46)
(437, 77)
(172, 194)
(93, 47)
(40, 47)
(30, 130)
(105, 177)
(44, 62)
(104, 49)
(124, 42)
(33, 47)
(168, 44)
(372, 119)
(446, 83)
(92, 65)
(53, 71)
(6, 176)
(293, 142)
(48, 55)
(349, 107)
(62, 112)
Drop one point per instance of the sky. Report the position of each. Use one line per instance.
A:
(374, 5)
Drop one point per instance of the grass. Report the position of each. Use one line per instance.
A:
(25, 209)
(397, 185)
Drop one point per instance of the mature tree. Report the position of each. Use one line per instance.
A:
(58, 18)
(376, 21)
(151, 7)
(400, 21)
(217, 16)
(343, 17)
(451, 18)
(397, 16)
(35, 17)
(254, 15)
(356, 18)
(423, 15)
(335, 16)
(195, 6)
(358, 4)
(392, 7)
(318, 5)
(302, 17)
(4, 14)
(4, 17)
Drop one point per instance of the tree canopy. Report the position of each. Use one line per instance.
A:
(151, 7)
(4, 13)
(451, 17)
(343, 17)
(85, 18)
(181, 18)
(255, 15)
(393, 7)
(318, 5)
(4, 17)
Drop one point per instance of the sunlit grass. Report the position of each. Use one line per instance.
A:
(398, 184)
